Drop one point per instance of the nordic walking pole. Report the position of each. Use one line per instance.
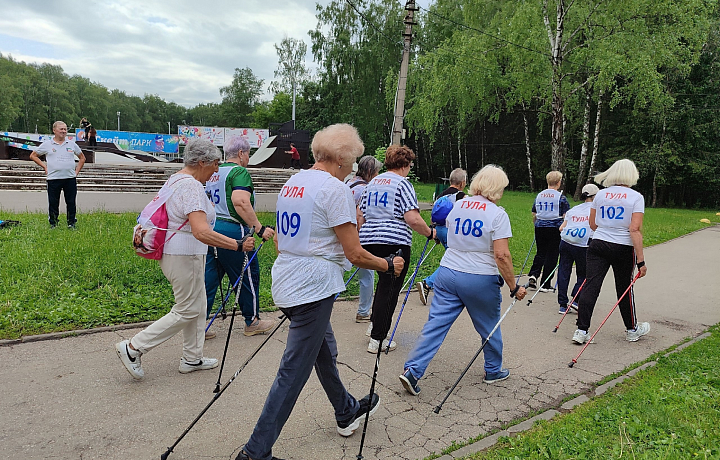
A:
(541, 284)
(407, 294)
(235, 286)
(347, 282)
(227, 340)
(222, 390)
(438, 408)
(377, 366)
(222, 294)
(526, 259)
(570, 305)
(423, 261)
(575, 359)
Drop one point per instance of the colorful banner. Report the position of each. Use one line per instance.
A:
(30, 137)
(219, 136)
(128, 140)
(256, 137)
(212, 134)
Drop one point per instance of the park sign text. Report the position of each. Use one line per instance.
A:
(129, 140)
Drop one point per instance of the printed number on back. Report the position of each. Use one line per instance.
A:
(288, 223)
(469, 227)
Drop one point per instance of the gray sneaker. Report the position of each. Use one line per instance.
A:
(130, 359)
(423, 290)
(641, 330)
(202, 365)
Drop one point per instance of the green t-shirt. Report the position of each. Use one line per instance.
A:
(238, 178)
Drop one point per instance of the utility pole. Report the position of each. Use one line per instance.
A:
(397, 130)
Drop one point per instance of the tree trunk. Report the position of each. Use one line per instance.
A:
(555, 37)
(596, 141)
(584, 148)
(527, 148)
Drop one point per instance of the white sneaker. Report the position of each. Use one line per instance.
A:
(640, 330)
(544, 289)
(423, 291)
(580, 336)
(130, 359)
(202, 365)
(532, 282)
(373, 345)
(369, 330)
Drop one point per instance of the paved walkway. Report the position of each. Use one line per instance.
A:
(72, 398)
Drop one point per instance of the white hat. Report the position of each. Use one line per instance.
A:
(590, 190)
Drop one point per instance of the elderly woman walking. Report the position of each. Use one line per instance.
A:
(616, 217)
(470, 276)
(368, 168)
(388, 212)
(232, 191)
(183, 264)
(316, 235)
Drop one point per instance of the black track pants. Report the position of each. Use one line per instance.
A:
(547, 240)
(601, 256)
(388, 289)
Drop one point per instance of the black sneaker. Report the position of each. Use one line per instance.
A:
(348, 428)
(243, 456)
(410, 383)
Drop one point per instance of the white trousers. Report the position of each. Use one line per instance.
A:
(187, 277)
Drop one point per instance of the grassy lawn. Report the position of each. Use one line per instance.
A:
(670, 411)
(56, 280)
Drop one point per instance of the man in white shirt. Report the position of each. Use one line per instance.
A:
(61, 172)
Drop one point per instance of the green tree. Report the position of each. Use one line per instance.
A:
(240, 97)
(291, 68)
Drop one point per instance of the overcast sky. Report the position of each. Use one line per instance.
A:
(182, 50)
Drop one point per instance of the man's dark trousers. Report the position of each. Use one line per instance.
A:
(69, 188)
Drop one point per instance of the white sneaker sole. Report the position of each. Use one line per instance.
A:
(350, 429)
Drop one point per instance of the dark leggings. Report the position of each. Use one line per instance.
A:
(601, 256)
(548, 250)
(388, 289)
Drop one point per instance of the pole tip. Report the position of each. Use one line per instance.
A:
(217, 388)
(165, 455)
(555, 330)
(437, 409)
(571, 363)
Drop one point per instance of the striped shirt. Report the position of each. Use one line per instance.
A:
(388, 230)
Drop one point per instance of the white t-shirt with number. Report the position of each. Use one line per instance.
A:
(473, 225)
(311, 261)
(60, 158)
(577, 230)
(547, 205)
(189, 196)
(614, 207)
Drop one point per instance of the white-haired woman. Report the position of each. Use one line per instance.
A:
(368, 168)
(316, 235)
(232, 191)
(616, 217)
(183, 264)
(470, 276)
(575, 234)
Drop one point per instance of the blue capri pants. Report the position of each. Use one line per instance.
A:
(454, 291)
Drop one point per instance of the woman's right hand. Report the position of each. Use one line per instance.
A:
(520, 294)
(398, 265)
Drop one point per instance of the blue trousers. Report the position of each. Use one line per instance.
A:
(366, 279)
(310, 343)
(570, 254)
(454, 291)
(442, 236)
(231, 262)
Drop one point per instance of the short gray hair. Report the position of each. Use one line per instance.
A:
(236, 145)
(458, 176)
(198, 150)
(57, 123)
(622, 172)
(368, 167)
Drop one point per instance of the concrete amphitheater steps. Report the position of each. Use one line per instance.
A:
(145, 177)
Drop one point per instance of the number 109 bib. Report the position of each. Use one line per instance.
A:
(294, 211)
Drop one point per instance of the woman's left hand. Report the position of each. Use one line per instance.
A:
(520, 294)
